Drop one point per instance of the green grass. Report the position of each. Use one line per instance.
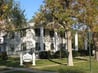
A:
(12, 62)
(50, 62)
(81, 65)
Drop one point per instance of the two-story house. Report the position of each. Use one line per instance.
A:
(39, 38)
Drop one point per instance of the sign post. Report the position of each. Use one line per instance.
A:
(1, 40)
(27, 57)
(21, 59)
(33, 63)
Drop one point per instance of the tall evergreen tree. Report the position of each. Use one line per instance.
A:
(11, 16)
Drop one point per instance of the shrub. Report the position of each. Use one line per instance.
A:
(75, 53)
(60, 54)
(4, 56)
(84, 52)
(45, 54)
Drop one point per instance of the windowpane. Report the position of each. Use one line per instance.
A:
(37, 32)
(23, 46)
(23, 33)
(51, 33)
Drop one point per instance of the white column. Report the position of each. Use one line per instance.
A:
(55, 41)
(21, 53)
(76, 41)
(85, 43)
(41, 38)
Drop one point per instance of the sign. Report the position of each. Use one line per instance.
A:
(1, 40)
(27, 57)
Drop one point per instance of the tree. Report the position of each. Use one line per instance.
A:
(5, 8)
(87, 13)
(18, 19)
(11, 16)
(59, 12)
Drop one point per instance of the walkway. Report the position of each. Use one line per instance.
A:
(24, 69)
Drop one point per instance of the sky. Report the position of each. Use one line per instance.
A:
(30, 7)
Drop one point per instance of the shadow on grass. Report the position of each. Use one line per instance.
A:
(56, 62)
(72, 71)
(80, 58)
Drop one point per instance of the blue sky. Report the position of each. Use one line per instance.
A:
(30, 6)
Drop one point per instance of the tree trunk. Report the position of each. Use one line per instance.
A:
(70, 58)
(96, 50)
(96, 55)
(96, 45)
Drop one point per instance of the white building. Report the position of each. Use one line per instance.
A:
(29, 39)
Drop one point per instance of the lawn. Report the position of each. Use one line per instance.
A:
(11, 62)
(81, 65)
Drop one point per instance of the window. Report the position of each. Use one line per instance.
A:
(37, 46)
(51, 33)
(46, 32)
(62, 34)
(44, 46)
(12, 47)
(23, 46)
(62, 45)
(12, 35)
(37, 32)
(23, 33)
(52, 46)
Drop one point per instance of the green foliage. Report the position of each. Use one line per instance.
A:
(4, 56)
(45, 55)
(5, 8)
(60, 54)
(56, 11)
(18, 17)
(75, 53)
(11, 14)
